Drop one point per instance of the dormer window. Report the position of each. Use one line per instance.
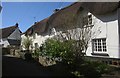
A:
(87, 21)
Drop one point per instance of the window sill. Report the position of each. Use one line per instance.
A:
(100, 54)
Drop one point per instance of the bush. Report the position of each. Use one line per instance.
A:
(71, 57)
(61, 50)
(94, 69)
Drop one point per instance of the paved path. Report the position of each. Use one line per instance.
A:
(12, 66)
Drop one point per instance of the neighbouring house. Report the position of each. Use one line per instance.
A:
(11, 37)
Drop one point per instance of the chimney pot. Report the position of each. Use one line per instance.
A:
(16, 24)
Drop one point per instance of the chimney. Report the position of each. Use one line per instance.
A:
(35, 22)
(56, 10)
(17, 24)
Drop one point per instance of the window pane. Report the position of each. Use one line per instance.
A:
(99, 45)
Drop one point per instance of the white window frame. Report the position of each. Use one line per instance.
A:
(99, 45)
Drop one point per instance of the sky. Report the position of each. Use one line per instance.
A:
(26, 13)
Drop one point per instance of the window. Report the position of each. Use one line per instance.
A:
(99, 45)
(87, 21)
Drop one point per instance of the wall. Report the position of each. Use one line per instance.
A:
(106, 26)
(39, 39)
(119, 27)
(5, 42)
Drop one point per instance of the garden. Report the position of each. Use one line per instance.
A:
(71, 59)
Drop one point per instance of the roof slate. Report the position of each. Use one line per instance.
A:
(14, 42)
(8, 31)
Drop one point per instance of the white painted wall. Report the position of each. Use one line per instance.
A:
(106, 26)
(39, 39)
(5, 42)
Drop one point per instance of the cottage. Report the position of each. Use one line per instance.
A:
(104, 23)
(47, 28)
(38, 32)
(105, 32)
(100, 27)
(67, 21)
(11, 36)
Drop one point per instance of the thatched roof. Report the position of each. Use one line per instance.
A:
(100, 8)
(66, 17)
(39, 28)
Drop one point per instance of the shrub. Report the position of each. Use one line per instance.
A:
(94, 69)
(62, 50)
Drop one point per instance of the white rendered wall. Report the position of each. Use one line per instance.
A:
(106, 26)
(39, 39)
(5, 42)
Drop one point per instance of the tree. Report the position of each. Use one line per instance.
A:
(27, 43)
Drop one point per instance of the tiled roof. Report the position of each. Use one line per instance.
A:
(14, 42)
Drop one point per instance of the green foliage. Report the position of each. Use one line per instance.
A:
(94, 69)
(36, 52)
(72, 56)
(58, 49)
